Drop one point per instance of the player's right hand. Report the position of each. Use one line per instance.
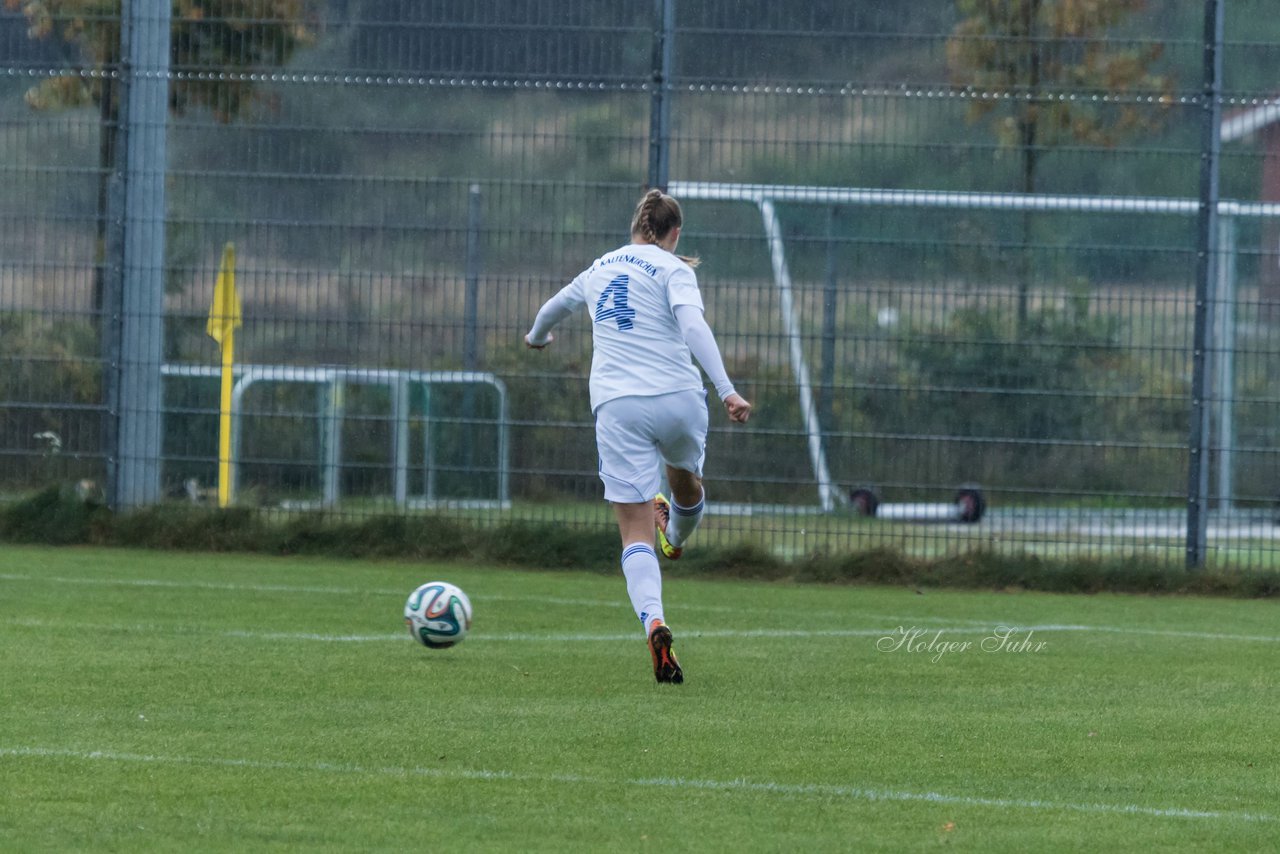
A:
(550, 337)
(738, 408)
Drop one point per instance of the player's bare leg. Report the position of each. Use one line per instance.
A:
(644, 585)
(684, 512)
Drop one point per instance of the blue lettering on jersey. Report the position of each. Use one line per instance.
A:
(631, 259)
(620, 311)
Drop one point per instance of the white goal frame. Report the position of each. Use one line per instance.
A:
(766, 196)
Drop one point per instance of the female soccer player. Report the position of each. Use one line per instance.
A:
(648, 398)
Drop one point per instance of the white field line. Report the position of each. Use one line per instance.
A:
(374, 591)
(1167, 633)
(197, 585)
(895, 632)
(926, 622)
(569, 637)
(819, 790)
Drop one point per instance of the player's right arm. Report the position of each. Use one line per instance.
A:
(569, 299)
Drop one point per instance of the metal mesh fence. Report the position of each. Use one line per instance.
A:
(951, 250)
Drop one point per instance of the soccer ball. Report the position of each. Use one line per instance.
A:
(438, 614)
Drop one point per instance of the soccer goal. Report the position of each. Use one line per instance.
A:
(445, 432)
(766, 197)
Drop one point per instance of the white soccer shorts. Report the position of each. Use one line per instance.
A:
(636, 435)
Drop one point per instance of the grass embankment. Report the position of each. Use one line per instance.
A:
(57, 517)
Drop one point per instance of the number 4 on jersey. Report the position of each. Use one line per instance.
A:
(619, 311)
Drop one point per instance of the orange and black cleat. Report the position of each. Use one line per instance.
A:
(665, 666)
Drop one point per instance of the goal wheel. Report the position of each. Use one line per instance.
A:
(864, 501)
(970, 503)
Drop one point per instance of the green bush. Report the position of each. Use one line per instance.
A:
(1055, 402)
(988, 376)
(172, 526)
(551, 546)
(54, 516)
(54, 363)
(421, 537)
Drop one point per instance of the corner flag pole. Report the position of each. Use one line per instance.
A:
(224, 318)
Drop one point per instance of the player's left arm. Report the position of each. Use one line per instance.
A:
(701, 341)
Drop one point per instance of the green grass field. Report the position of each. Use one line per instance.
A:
(162, 701)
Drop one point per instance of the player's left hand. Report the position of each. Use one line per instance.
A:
(738, 407)
(550, 337)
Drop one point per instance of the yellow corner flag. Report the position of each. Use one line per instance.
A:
(224, 314)
(224, 319)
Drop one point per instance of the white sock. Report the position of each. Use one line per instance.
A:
(644, 582)
(684, 520)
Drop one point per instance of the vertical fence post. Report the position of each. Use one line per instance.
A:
(1224, 362)
(333, 402)
(470, 319)
(470, 347)
(400, 440)
(659, 97)
(144, 35)
(1206, 264)
(109, 318)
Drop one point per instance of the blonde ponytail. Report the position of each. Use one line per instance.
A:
(647, 223)
(655, 216)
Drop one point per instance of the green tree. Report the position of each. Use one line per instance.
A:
(1020, 56)
(216, 48)
(1050, 383)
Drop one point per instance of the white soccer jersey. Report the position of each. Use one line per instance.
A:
(631, 295)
